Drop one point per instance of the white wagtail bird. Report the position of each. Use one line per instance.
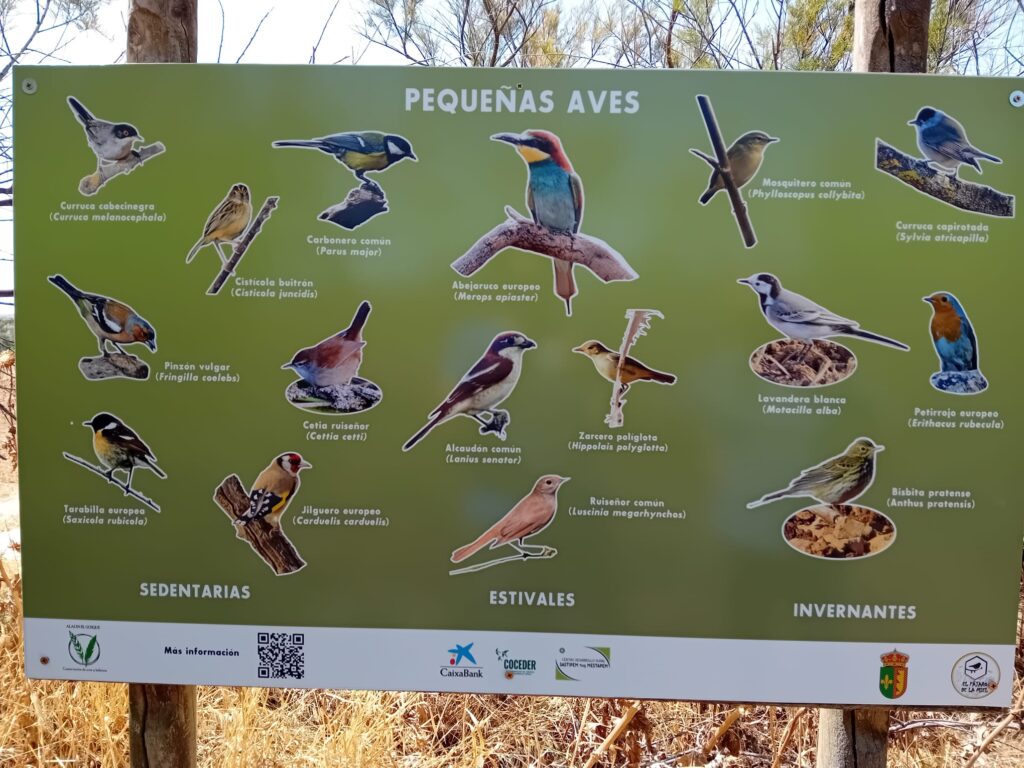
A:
(944, 142)
(483, 387)
(112, 142)
(797, 317)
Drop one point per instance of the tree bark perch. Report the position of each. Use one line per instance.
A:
(268, 541)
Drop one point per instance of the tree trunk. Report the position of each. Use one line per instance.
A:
(890, 35)
(162, 31)
(162, 718)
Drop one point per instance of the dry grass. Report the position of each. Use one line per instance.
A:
(86, 724)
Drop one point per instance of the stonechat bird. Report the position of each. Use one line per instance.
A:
(606, 361)
(531, 515)
(483, 387)
(335, 360)
(110, 320)
(111, 142)
(797, 317)
(837, 480)
(118, 447)
(227, 221)
(274, 489)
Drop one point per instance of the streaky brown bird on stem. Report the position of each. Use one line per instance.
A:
(531, 515)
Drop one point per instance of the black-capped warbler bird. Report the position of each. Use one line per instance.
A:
(110, 320)
(837, 480)
(227, 221)
(483, 387)
(359, 151)
(274, 489)
(745, 158)
(944, 143)
(111, 142)
(118, 447)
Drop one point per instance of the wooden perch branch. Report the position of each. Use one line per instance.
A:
(720, 163)
(268, 541)
(919, 174)
(91, 184)
(517, 231)
(113, 365)
(243, 245)
(110, 479)
(545, 553)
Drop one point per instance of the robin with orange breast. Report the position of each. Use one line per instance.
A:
(952, 333)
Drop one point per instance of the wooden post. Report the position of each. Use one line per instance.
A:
(162, 718)
(888, 36)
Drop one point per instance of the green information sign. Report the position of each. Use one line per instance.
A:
(663, 384)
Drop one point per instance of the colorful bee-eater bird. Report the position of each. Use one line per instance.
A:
(554, 194)
(952, 333)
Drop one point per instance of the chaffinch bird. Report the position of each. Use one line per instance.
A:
(837, 480)
(531, 515)
(118, 447)
(335, 360)
(111, 142)
(797, 317)
(483, 387)
(110, 320)
(554, 193)
(944, 143)
(745, 157)
(227, 221)
(274, 489)
(606, 362)
(359, 151)
(952, 333)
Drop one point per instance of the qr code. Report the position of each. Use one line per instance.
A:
(282, 655)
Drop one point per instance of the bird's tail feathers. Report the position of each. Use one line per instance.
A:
(985, 156)
(194, 251)
(61, 282)
(768, 498)
(706, 197)
(436, 418)
(80, 111)
(876, 338)
(472, 548)
(358, 321)
(663, 378)
(156, 470)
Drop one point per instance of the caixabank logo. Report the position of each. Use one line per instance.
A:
(462, 663)
(894, 674)
(583, 663)
(84, 650)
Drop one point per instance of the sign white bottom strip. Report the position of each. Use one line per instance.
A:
(460, 660)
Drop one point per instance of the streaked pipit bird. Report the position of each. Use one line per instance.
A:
(835, 481)
(227, 222)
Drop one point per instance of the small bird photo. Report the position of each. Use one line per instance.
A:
(621, 370)
(956, 346)
(117, 146)
(115, 325)
(945, 151)
(745, 157)
(329, 381)
(119, 449)
(805, 357)
(483, 388)
(256, 513)
(530, 515)
(226, 223)
(361, 152)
